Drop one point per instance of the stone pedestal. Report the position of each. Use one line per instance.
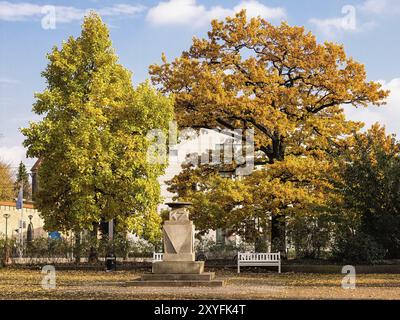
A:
(178, 236)
(178, 267)
(173, 267)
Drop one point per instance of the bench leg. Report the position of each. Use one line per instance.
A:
(238, 271)
(279, 268)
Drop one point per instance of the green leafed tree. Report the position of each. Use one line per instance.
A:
(370, 192)
(23, 180)
(92, 138)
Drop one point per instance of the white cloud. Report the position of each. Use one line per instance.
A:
(388, 115)
(380, 7)
(327, 26)
(189, 12)
(8, 81)
(121, 9)
(64, 14)
(255, 8)
(12, 155)
(374, 6)
(361, 17)
(18, 11)
(176, 12)
(347, 22)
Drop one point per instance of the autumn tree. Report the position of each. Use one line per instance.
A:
(279, 81)
(6, 182)
(92, 139)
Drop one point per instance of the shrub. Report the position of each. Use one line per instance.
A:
(207, 248)
(310, 235)
(358, 248)
(48, 248)
(143, 248)
(11, 243)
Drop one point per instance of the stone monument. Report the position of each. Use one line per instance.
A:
(178, 266)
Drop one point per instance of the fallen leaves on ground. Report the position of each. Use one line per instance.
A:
(26, 284)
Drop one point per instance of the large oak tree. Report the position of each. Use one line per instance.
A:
(279, 81)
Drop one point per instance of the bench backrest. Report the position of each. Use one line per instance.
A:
(157, 256)
(246, 256)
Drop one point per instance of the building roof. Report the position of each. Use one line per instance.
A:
(27, 205)
(36, 165)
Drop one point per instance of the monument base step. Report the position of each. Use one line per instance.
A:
(178, 267)
(175, 283)
(205, 276)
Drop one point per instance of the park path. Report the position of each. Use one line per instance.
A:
(26, 284)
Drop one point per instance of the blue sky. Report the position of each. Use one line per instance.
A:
(142, 30)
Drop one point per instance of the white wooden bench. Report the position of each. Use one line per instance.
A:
(157, 256)
(248, 259)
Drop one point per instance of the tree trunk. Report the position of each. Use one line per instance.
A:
(78, 247)
(278, 234)
(262, 240)
(260, 244)
(93, 254)
(278, 224)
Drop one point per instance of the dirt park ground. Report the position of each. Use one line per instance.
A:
(27, 284)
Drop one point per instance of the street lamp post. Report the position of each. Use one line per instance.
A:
(6, 216)
(6, 248)
(20, 205)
